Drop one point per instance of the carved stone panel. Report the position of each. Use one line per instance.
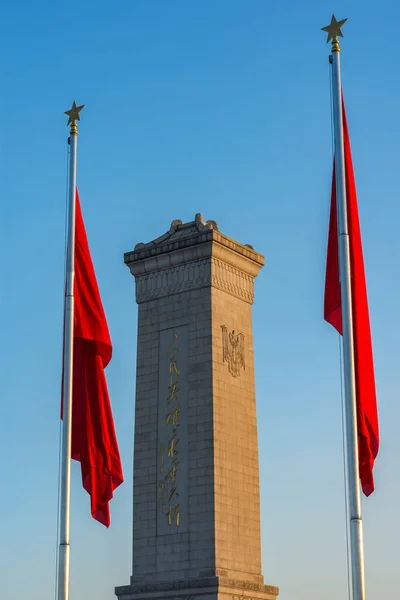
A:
(233, 351)
(172, 460)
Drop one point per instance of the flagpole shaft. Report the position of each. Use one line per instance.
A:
(352, 473)
(64, 542)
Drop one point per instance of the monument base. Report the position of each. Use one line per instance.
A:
(207, 588)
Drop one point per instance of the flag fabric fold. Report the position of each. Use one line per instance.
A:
(367, 415)
(94, 442)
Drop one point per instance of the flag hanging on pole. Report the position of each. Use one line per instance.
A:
(367, 414)
(94, 443)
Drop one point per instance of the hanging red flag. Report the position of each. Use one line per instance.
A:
(94, 443)
(367, 415)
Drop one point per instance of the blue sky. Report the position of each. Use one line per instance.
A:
(220, 107)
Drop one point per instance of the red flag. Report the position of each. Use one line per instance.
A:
(367, 415)
(94, 443)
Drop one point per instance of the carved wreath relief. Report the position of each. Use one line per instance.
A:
(233, 351)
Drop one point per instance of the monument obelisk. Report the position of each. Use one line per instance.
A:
(196, 502)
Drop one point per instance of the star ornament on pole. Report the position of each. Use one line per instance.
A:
(73, 113)
(334, 29)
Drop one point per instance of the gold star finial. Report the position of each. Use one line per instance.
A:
(334, 29)
(73, 116)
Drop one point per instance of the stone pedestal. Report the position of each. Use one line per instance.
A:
(196, 512)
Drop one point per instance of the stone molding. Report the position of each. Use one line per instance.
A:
(230, 279)
(192, 241)
(179, 231)
(257, 591)
(194, 275)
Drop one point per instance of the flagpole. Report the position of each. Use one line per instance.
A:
(65, 501)
(351, 436)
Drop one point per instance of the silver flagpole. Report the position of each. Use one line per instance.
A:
(351, 437)
(65, 502)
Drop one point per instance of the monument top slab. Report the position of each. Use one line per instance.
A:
(181, 237)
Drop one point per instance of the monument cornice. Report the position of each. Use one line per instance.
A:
(190, 256)
(185, 242)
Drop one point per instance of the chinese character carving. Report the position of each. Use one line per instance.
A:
(173, 471)
(173, 366)
(173, 415)
(174, 514)
(173, 445)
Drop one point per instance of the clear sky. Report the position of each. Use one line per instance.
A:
(220, 107)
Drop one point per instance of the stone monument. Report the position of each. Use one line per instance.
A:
(196, 503)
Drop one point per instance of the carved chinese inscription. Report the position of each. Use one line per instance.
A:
(233, 351)
(172, 432)
(169, 455)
